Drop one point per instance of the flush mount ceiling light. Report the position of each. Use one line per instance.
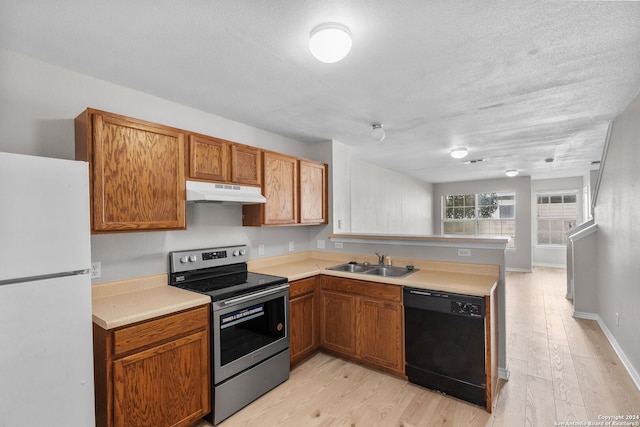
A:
(330, 42)
(377, 133)
(511, 172)
(459, 153)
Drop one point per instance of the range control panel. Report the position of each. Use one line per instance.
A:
(206, 256)
(197, 259)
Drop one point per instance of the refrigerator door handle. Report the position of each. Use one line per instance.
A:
(44, 277)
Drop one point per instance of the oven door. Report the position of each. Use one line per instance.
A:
(248, 329)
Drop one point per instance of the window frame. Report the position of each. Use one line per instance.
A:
(555, 193)
(476, 220)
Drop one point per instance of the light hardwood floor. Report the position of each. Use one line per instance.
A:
(562, 369)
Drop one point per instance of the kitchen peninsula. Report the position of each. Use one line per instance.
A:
(360, 316)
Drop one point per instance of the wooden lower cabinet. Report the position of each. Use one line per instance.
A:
(380, 326)
(339, 322)
(304, 318)
(363, 321)
(154, 373)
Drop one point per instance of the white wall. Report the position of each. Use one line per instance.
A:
(618, 205)
(369, 199)
(518, 259)
(387, 202)
(553, 256)
(38, 103)
(341, 188)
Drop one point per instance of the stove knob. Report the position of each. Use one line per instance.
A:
(236, 253)
(243, 251)
(184, 259)
(192, 258)
(466, 308)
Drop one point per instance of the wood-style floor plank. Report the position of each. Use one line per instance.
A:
(561, 369)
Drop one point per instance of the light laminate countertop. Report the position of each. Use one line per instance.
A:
(124, 302)
(469, 279)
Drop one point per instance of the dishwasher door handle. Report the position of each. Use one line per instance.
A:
(428, 294)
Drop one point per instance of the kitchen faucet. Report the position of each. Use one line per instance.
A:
(380, 259)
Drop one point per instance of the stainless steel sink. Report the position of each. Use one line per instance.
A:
(375, 270)
(353, 267)
(391, 271)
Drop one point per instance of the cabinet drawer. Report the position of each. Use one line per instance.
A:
(158, 330)
(301, 287)
(361, 287)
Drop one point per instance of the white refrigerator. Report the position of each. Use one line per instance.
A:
(46, 353)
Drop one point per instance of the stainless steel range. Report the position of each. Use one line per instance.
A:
(249, 324)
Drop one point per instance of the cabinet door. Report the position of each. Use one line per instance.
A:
(280, 189)
(304, 318)
(138, 175)
(379, 333)
(303, 326)
(313, 192)
(208, 158)
(338, 322)
(165, 385)
(246, 165)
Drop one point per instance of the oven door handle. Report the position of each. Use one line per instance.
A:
(254, 295)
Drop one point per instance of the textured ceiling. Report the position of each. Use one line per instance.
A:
(514, 81)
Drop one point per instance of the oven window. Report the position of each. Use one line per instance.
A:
(251, 328)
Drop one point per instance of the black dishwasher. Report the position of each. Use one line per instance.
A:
(445, 343)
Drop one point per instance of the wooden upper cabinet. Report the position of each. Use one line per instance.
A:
(136, 171)
(313, 192)
(209, 158)
(246, 165)
(296, 192)
(218, 160)
(280, 188)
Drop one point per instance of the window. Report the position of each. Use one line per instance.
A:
(482, 215)
(557, 213)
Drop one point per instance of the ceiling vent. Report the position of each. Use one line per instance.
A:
(474, 161)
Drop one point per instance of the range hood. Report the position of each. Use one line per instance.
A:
(209, 192)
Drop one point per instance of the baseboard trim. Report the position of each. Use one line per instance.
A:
(518, 270)
(635, 377)
(544, 264)
(504, 373)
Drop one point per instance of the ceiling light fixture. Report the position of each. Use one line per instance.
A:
(459, 153)
(377, 133)
(330, 42)
(511, 172)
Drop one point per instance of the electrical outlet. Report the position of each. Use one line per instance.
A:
(464, 252)
(617, 320)
(96, 270)
(291, 246)
(260, 249)
(338, 245)
(320, 244)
